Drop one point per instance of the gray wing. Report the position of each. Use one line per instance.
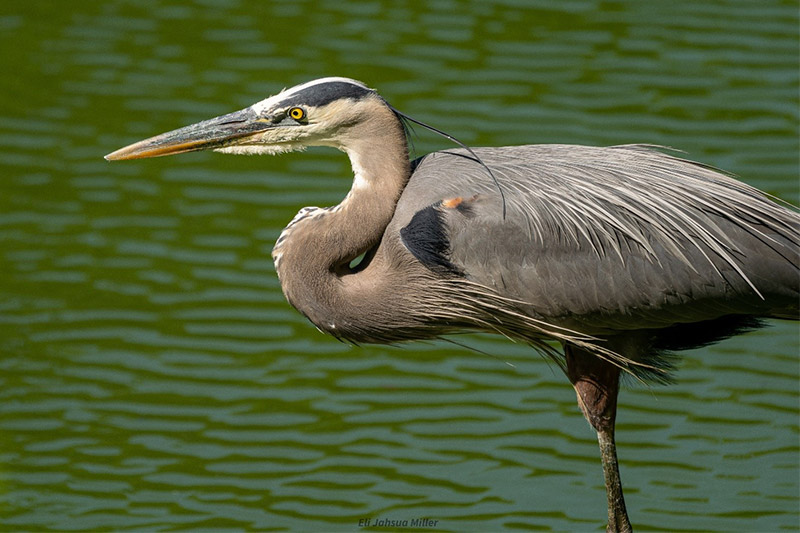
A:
(604, 239)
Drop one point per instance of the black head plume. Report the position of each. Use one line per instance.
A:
(405, 119)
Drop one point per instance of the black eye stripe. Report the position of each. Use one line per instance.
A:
(325, 93)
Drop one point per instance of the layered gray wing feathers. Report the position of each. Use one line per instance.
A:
(607, 238)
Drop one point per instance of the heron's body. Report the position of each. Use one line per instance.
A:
(622, 274)
(620, 253)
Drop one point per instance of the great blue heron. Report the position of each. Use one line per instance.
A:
(621, 254)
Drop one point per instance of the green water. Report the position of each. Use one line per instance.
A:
(152, 376)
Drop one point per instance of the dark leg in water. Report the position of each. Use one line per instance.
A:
(596, 383)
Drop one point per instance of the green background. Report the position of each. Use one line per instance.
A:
(152, 376)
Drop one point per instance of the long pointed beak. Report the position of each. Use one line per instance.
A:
(225, 130)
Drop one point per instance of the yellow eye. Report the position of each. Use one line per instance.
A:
(297, 113)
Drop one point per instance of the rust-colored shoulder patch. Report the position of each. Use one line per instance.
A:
(452, 203)
(462, 205)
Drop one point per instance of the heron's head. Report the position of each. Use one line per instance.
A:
(326, 112)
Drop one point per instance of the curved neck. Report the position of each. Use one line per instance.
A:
(314, 251)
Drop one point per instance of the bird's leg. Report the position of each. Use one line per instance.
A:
(596, 383)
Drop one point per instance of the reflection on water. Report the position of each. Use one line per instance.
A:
(153, 376)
